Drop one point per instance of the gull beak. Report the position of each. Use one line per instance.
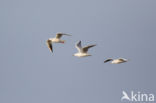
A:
(62, 42)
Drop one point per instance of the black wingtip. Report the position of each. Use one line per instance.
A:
(108, 60)
(94, 45)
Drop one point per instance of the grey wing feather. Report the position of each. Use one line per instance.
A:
(59, 35)
(122, 59)
(50, 46)
(85, 49)
(78, 46)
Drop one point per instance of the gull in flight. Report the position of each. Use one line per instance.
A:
(57, 39)
(82, 52)
(116, 61)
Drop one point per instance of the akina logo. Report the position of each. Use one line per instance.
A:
(137, 97)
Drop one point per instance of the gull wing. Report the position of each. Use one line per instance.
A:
(59, 35)
(122, 59)
(108, 60)
(49, 44)
(85, 49)
(78, 46)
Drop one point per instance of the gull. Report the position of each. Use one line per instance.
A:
(57, 39)
(82, 52)
(116, 61)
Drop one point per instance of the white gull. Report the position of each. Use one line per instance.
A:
(57, 39)
(116, 61)
(82, 52)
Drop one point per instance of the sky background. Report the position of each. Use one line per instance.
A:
(30, 73)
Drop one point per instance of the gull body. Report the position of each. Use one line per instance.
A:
(116, 61)
(82, 52)
(56, 39)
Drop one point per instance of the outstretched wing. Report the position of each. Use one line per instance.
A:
(59, 35)
(78, 46)
(108, 60)
(49, 44)
(122, 59)
(85, 49)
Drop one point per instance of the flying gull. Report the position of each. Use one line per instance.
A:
(116, 61)
(82, 52)
(57, 39)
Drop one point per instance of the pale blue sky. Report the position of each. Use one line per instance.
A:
(29, 73)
